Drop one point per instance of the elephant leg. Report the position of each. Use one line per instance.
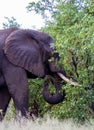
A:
(17, 82)
(4, 101)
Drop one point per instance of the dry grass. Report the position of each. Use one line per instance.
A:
(48, 124)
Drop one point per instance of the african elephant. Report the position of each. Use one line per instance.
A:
(25, 54)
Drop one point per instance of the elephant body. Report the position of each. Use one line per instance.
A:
(23, 54)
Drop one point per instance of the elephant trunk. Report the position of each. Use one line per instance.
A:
(58, 76)
(58, 96)
(53, 98)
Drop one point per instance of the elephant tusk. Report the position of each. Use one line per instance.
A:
(67, 80)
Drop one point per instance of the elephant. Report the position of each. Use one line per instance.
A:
(24, 54)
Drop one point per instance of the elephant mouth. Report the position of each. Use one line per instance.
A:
(59, 95)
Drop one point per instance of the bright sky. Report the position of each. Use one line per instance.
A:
(17, 9)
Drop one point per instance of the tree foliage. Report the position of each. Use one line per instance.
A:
(71, 24)
(11, 22)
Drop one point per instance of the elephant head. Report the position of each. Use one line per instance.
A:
(32, 51)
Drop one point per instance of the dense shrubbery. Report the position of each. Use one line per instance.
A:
(72, 28)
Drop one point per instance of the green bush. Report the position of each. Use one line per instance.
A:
(72, 26)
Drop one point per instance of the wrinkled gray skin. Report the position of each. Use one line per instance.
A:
(24, 54)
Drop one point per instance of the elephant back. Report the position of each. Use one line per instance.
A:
(3, 35)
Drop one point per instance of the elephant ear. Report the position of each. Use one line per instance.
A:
(23, 51)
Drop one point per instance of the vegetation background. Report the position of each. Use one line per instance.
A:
(71, 24)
